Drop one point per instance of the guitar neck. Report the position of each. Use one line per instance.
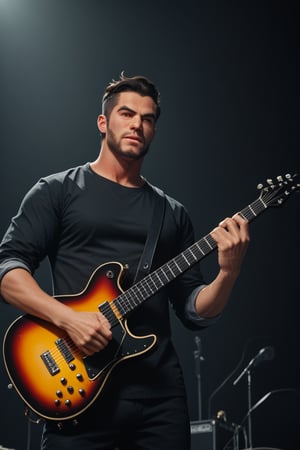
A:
(152, 283)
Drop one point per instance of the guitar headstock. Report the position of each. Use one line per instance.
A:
(275, 193)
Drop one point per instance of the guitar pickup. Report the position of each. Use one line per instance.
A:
(64, 350)
(50, 363)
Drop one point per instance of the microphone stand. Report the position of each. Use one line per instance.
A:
(198, 359)
(249, 408)
(264, 354)
(249, 396)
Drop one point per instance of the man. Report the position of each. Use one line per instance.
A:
(101, 212)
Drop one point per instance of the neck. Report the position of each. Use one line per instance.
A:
(124, 172)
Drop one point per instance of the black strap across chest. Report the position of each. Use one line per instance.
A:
(153, 233)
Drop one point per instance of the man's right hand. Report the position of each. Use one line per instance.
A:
(90, 331)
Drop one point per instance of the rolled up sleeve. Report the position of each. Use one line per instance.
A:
(191, 313)
(10, 264)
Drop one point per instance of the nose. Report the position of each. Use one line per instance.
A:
(136, 122)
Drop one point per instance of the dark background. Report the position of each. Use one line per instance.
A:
(228, 74)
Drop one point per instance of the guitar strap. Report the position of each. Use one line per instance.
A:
(153, 233)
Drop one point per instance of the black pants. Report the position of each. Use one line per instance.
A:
(149, 424)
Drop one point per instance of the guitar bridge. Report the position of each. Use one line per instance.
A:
(50, 363)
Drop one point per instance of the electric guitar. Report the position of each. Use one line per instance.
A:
(56, 380)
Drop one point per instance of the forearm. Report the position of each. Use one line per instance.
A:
(212, 299)
(21, 290)
(90, 331)
(232, 237)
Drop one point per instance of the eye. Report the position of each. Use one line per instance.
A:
(149, 120)
(126, 114)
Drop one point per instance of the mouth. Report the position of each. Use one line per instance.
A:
(133, 138)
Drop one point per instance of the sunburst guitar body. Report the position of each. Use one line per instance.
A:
(51, 375)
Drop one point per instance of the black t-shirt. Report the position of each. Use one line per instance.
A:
(80, 220)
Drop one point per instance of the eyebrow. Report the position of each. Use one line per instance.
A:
(126, 108)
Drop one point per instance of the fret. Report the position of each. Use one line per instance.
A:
(254, 209)
(138, 289)
(129, 300)
(146, 281)
(186, 259)
(165, 274)
(191, 258)
(193, 254)
(198, 247)
(208, 243)
(170, 269)
(205, 246)
(151, 282)
(159, 279)
(253, 212)
(176, 265)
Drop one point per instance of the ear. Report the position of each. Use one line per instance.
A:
(101, 123)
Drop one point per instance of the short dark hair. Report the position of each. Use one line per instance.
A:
(139, 84)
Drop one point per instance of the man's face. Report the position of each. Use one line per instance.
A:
(130, 128)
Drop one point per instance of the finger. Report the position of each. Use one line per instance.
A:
(243, 226)
(241, 220)
(237, 227)
(227, 232)
(105, 326)
(222, 237)
(96, 344)
(229, 224)
(103, 320)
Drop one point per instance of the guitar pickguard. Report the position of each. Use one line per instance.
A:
(122, 346)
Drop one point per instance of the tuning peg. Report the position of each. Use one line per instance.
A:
(270, 181)
(279, 179)
(260, 186)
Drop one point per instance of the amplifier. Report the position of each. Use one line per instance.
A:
(211, 435)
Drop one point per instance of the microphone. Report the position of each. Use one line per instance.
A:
(264, 354)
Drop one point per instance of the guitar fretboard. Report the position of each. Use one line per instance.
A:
(152, 283)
